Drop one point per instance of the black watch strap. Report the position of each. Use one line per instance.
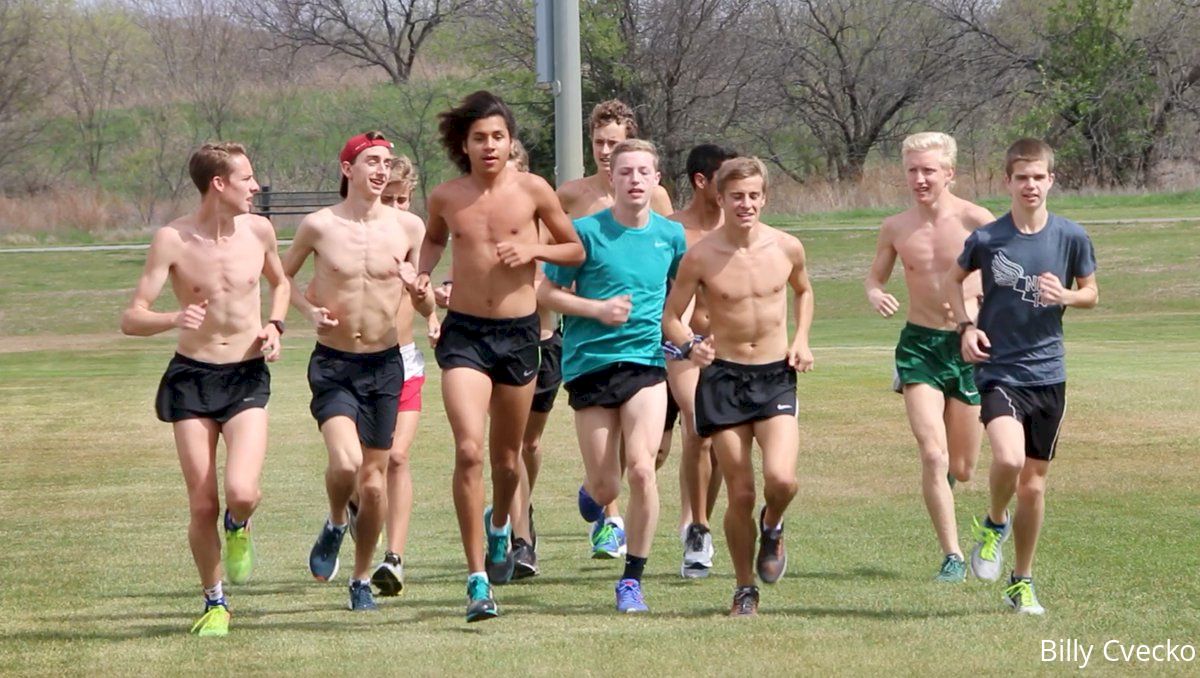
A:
(278, 325)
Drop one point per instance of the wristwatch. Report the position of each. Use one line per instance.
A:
(278, 325)
(686, 351)
(962, 326)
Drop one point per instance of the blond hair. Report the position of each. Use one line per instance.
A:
(736, 169)
(932, 141)
(519, 155)
(403, 172)
(633, 146)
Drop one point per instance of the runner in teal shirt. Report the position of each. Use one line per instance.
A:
(620, 261)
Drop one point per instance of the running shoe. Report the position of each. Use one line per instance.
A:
(697, 552)
(629, 596)
(524, 558)
(589, 509)
(480, 604)
(361, 598)
(323, 558)
(745, 602)
(213, 623)
(607, 540)
(987, 557)
(388, 576)
(498, 562)
(771, 563)
(239, 554)
(1020, 597)
(953, 570)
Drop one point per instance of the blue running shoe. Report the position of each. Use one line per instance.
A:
(323, 558)
(499, 562)
(589, 510)
(606, 540)
(629, 596)
(361, 598)
(480, 604)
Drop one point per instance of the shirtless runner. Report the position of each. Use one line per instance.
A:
(488, 349)
(938, 385)
(388, 576)
(697, 483)
(747, 387)
(217, 385)
(362, 260)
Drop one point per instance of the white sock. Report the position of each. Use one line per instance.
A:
(214, 594)
(617, 522)
(479, 575)
(497, 531)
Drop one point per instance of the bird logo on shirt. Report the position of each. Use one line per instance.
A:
(1009, 273)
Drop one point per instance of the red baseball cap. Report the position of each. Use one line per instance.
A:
(359, 143)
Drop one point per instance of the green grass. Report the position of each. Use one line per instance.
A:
(97, 573)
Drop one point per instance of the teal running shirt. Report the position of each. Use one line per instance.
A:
(620, 260)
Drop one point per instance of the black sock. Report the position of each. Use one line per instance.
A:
(634, 566)
(1013, 579)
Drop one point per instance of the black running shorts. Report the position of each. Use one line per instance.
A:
(1040, 410)
(672, 412)
(731, 394)
(549, 373)
(505, 349)
(362, 386)
(191, 389)
(613, 385)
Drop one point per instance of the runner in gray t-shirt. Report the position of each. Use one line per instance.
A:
(1029, 259)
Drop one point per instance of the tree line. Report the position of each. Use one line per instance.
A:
(818, 88)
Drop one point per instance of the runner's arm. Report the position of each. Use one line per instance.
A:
(137, 319)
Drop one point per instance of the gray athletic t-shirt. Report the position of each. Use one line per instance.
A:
(1026, 334)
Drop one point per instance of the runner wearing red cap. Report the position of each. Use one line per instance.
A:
(363, 258)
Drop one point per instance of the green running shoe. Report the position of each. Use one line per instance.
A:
(239, 555)
(954, 569)
(1020, 597)
(986, 557)
(213, 624)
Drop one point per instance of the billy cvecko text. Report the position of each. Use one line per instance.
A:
(1080, 653)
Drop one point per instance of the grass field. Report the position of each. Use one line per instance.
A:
(97, 576)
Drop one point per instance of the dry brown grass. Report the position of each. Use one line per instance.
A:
(91, 211)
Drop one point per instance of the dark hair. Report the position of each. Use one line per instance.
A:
(344, 189)
(455, 123)
(1028, 150)
(213, 160)
(706, 159)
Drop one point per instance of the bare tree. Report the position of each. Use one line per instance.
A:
(22, 88)
(851, 71)
(1106, 77)
(386, 34)
(98, 74)
(204, 56)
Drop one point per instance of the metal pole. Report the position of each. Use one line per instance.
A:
(568, 93)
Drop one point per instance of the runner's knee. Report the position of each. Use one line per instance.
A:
(241, 497)
(641, 475)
